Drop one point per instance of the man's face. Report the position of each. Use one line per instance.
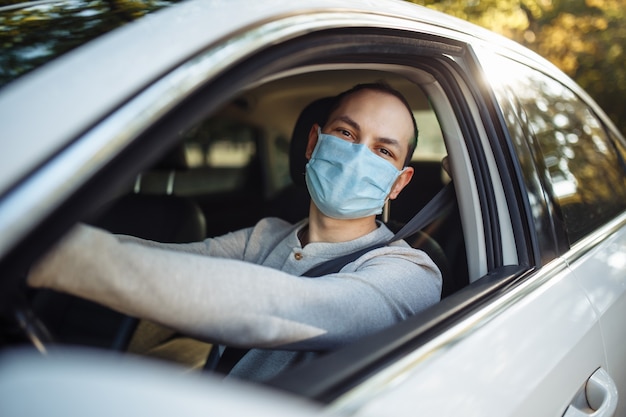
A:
(378, 120)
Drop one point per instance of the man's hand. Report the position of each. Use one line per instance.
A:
(68, 266)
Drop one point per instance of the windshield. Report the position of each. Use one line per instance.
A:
(33, 33)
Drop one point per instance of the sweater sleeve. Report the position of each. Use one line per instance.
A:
(190, 292)
(231, 245)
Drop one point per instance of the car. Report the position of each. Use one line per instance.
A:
(180, 124)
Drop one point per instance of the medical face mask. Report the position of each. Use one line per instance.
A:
(347, 180)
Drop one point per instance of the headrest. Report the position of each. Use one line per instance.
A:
(315, 112)
(174, 160)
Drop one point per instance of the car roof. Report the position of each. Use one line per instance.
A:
(47, 108)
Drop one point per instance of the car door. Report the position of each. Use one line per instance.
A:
(582, 158)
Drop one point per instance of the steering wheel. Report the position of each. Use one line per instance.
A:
(33, 328)
(19, 323)
(35, 318)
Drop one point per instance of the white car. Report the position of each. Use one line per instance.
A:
(178, 126)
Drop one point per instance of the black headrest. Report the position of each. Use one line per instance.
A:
(315, 112)
(174, 160)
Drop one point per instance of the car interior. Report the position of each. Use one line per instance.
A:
(245, 162)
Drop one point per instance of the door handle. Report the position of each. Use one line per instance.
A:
(597, 398)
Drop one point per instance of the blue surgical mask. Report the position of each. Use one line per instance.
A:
(347, 180)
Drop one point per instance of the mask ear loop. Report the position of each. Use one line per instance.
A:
(386, 212)
(387, 206)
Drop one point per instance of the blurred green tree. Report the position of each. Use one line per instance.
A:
(33, 33)
(584, 38)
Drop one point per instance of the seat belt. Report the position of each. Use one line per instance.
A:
(437, 205)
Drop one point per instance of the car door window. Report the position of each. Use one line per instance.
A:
(583, 168)
(583, 171)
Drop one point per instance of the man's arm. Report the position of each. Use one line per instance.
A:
(230, 245)
(234, 302)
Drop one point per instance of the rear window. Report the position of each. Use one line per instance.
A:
(33, 33)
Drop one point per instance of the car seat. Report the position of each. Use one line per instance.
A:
(161, 217)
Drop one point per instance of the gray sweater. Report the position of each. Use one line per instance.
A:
(243, 289)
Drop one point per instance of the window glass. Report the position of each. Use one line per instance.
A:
(517, 124)
(220, 144)
(277, 162)
(33, 33)
(582, 170)
(586, 177)
(216, 156)
(620, 146)
(430, 145)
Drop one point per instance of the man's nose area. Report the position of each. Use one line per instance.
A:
(367, 140)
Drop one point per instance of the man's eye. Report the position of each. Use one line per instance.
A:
(385, 152)
(345, 134)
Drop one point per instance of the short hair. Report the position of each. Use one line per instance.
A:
(382, 87)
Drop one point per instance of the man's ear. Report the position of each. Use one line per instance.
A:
(312, 141)
(401, 182)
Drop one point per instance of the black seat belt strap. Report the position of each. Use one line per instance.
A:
(433, 209)
(335, 265)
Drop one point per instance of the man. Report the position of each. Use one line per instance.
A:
(245, 288)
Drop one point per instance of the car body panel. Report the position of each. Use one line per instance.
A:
(600, 271)
(137, 387)
(496, 351)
